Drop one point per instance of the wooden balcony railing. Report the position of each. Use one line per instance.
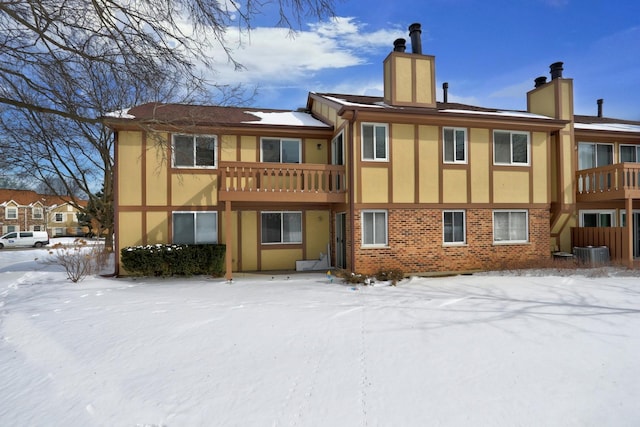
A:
(617, 181)
(282, 182)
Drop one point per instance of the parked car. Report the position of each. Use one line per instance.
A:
(36, 239)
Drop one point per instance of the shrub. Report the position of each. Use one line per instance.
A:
(351, 277)
(393, 276)
(78, 258)
(169, 260)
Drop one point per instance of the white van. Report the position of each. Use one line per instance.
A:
(16, 239)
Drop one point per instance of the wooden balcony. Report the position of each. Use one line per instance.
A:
(281, 182)
(612, 182)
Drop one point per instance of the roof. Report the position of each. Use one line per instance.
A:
(605, 124)
(30, 197)
(377, 102)
(208, 115)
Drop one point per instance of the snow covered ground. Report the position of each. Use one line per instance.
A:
(481, 350)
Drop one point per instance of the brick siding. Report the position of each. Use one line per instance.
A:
(416, 243)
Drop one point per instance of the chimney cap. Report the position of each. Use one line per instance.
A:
(399, 45)
(539, 81)
(415, 27)
(556, 70)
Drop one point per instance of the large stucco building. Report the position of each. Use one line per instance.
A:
(398, 181)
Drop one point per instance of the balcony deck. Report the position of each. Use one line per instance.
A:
(281, 182)
(619, 181)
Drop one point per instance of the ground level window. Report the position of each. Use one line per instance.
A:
(597, 218)
(510, 226)
(374, 228)
(453, 226)
(281, 227)
(195, 227)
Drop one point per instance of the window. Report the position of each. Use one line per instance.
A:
(374, 142)
(37, 213)
(454, 145)
(11, 212)
(630, 153)
(510, 226)
(37, 228)
(592, 155)
(597, 218)
(337, 150)
(453, 226)
(58, 217)
(275, 150)
(510, 148)
(195, 227)
(194, 151)
(281, 227)
(374, 228)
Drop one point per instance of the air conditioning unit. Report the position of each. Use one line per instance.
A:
(592, 255)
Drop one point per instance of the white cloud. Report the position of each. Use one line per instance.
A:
(270, 54)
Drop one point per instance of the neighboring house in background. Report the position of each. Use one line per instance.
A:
(26, 210)
(399, 181)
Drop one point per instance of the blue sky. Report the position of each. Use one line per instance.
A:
(488, 51)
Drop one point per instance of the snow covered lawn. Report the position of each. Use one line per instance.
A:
(482, 350)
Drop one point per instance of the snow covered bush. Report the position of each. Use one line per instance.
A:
(78, 258)
(169, 260)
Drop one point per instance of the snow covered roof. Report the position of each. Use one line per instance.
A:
(209, 115)
(606, 124)
(441, 107)
(503, 113)
(286, 118)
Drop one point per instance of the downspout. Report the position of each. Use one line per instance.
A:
(629, 231)
(116, 216)
(352, 161)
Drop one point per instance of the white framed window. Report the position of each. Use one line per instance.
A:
(11, 212)
(598, 218)
(37, 228)
(194, 151)
(510, 148)
(510, 226)
(192, 228)
(58, 217)
(454, 145)
(374, 228)
(375, 142)
(281, 227)
(280, 150)
(453, 227)
(594, 155)
(36, 213)
(58, 231)
(629, 153)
